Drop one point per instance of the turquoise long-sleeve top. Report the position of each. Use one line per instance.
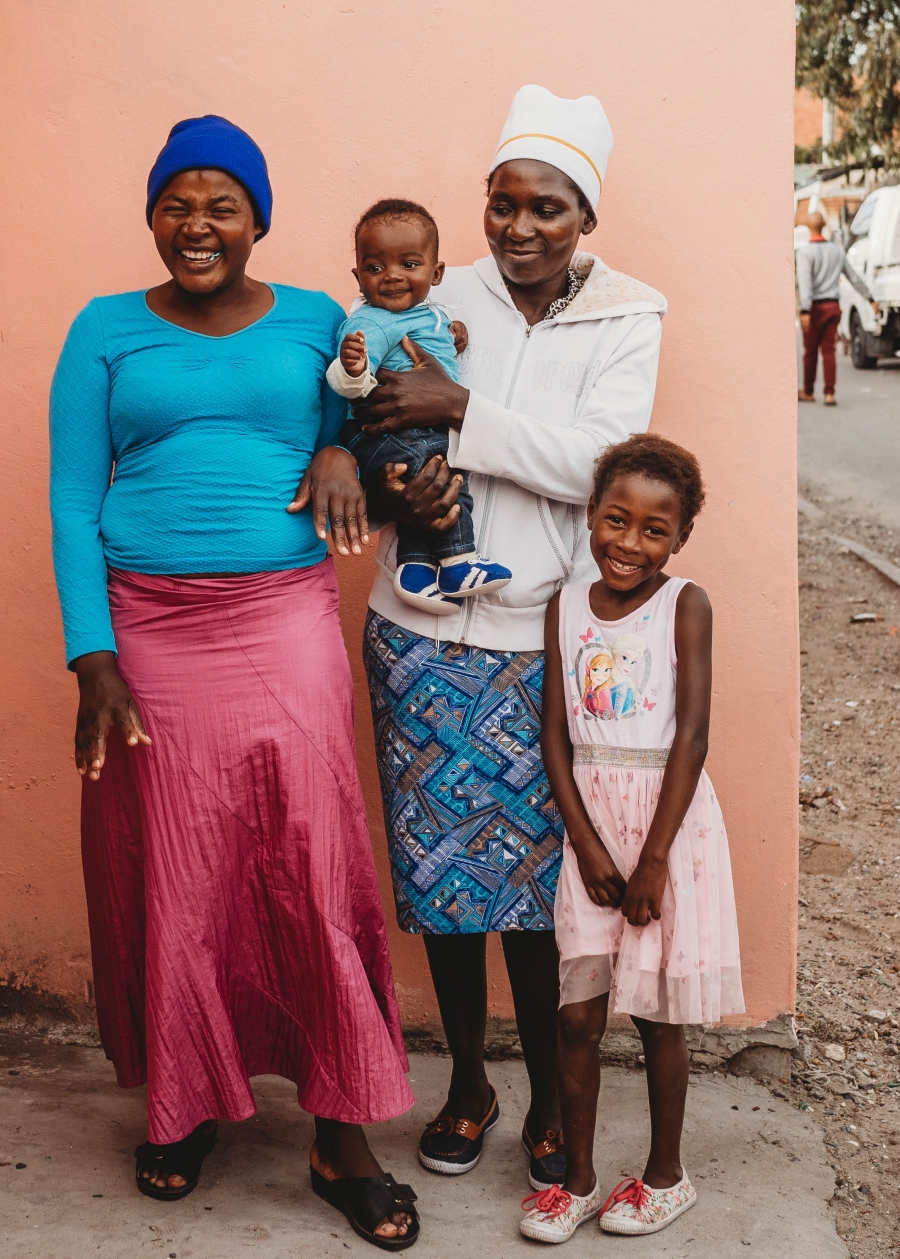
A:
(176, 452)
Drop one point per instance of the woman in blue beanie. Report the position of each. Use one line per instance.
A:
(236, 924)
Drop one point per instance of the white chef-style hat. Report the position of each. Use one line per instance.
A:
(574, 136)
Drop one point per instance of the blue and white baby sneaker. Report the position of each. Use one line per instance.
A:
(471, 575)
(416, 584)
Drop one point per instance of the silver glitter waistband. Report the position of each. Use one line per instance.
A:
(604, 754)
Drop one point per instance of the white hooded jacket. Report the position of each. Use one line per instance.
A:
(544, 403)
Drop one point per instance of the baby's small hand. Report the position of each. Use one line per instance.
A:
(460, 334)
(354, 359)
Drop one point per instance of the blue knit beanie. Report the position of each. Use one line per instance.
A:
(213, 143)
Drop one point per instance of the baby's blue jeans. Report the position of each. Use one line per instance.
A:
(414, 447)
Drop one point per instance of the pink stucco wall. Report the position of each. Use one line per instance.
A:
(359, 99)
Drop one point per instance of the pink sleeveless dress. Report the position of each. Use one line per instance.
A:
(620, 689)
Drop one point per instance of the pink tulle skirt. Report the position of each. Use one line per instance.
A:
(236, 924)
(685, 968)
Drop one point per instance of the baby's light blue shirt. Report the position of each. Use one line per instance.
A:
(428, 326)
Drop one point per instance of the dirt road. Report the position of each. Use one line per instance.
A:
(849, 951)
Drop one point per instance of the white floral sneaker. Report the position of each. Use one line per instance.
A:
(555, 1213)
(634, 1207)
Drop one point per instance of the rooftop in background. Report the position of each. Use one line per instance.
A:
(854, 175)
(804, 174)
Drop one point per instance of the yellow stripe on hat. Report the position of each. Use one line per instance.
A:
(539, 135)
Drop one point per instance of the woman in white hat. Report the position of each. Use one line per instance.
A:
(561, 362)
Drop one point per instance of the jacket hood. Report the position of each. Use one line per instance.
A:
(606, 293)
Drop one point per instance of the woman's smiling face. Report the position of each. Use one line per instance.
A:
(533, 220)
(204, 225)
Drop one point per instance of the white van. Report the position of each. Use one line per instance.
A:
(874, 251)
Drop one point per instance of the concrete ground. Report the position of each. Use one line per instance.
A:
(758, 1163)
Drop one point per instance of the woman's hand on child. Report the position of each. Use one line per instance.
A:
(332, 486)
(423, 397)
(644, 893)
(354, 358)
(427, 500)
(601, 879)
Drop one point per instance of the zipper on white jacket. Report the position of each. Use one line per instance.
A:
(489, 488)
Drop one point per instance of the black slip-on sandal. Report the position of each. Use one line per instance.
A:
(182, 1158)
(366, 1201)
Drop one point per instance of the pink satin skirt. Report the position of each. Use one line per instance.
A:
(236, 923)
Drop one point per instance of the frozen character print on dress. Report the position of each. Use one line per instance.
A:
(609, 682)
(598, 681)
(628, 652)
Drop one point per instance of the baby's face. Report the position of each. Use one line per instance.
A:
(396, 263)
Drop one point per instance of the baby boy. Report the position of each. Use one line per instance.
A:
(396, 268)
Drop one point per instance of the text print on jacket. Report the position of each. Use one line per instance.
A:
(544, 403)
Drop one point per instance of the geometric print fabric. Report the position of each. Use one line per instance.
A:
(474, 836)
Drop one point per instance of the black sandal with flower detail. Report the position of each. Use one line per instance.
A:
(366, 1201)
(182, 1158)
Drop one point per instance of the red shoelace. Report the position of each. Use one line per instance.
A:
(553, 1201)
(632, 1191)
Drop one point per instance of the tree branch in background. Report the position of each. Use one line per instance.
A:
(848, 52)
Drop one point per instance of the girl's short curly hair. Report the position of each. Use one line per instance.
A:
(658, 459)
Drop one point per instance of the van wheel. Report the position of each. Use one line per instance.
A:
(862, 360)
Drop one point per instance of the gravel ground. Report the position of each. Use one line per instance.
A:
(848, 1069)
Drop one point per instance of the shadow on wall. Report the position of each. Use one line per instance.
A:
(25, 1003)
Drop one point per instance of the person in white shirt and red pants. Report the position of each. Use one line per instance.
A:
(820, 265)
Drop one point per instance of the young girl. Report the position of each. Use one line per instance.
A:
(645, 917)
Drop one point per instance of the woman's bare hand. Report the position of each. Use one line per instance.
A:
(104, 701)
(331, 484)
(423, 397)
(427, 500)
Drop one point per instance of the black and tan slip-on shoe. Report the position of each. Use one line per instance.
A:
(547, 1158)
(453, 1146)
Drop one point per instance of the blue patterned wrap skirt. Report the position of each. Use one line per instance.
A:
(474, 836)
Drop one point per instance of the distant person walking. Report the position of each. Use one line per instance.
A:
(820, 265)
